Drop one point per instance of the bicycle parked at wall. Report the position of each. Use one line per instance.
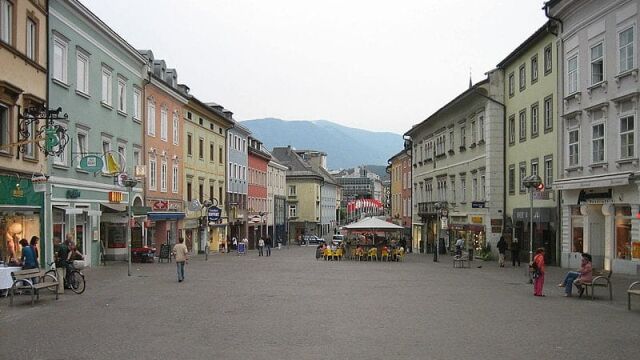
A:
(74, 278)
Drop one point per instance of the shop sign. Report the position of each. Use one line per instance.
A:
(160, 205)
(635, 250)
(476, 219)
(213, 213)
(116, 197)
(73, 194)
(17, 192)
(585, 197)
(444, 222)
(477, 204)
(91, 163)
(541, 195)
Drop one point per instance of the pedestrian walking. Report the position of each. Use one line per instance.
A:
(459, 245)
(267, 243)
(181, 254)
(538, 271)
(584, 274)
(235, 243)
(261, 247)
(515, 252)
(502, 249)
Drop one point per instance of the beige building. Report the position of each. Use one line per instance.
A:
(23, 84)
(205, 132)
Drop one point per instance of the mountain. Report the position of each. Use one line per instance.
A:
(345, 147)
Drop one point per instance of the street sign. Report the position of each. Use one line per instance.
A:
(91, 163)
(213, 213)
(444, 223)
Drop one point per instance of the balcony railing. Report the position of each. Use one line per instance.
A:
(430, 208)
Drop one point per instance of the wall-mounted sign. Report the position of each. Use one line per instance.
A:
(444, 222)
(478, 204)
(91, 163)
(476, 219)
(73, 194)
(116, 196)
(214, 213)
(160, 205)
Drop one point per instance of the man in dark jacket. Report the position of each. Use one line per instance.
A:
(502, 249)
(515, 252)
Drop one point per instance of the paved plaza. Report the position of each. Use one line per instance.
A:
(292, 306)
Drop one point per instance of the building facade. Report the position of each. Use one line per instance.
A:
(458, 182)
(258, 161)
(400, 191)
(205, 130)
(276, 201)
(97, 78)
(23, 84)
(237, 182)
(530, 75)
(597, 47)
(164, 101)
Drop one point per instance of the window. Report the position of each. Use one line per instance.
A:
(189, 190)
(463, 137)
(220, 155)
(151, 118)
(175, 129)
(29, 148)
(5, 129)
(6, 21)
(512, 85)
(627, 137)
(572, 74)
(597, 64)
(201, 148)
(211, 152)
(623, 232)
(534, 167)
(548, 172)
(122, 95)
(136, 157)
(292, 190)
(174, 179)
(473, 132)
(534, 120)
(512, 179)
(574, 147)
(625, 42)
(597, 143)
(107, 87)
(481, 128)
(453, 189)
(163, 176)
(59, 59)
(292, 211)
(451, 137)
(106, 147)
(474, 188)
(463, 189)
(164, 124)
(122, 150)
(32, 39)
(152, 173)
(523, 174)
(523, 125)
(483, 189)
(201, 192)
(189, 144)
(548, 67)
(534, 69)
(548, 113)
(512, 129)
(82, 73)
(137, 103)
(81, 144)
(577, 229)
(522, 78)
(62, 158)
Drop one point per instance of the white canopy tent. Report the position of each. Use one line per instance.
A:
(372, 223)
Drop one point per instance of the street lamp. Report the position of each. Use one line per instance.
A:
(533, 183)
(441, 211)
(130, 183)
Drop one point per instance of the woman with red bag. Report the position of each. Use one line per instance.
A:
(538, 272)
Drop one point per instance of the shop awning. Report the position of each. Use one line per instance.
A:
(165, 215)
(70, 210)
(114, 208)
(592, 182)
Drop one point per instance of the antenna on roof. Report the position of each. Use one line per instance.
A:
(470, 82)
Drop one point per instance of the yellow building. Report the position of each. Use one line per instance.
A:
(23, 85)
(205, 132)
(530, 74)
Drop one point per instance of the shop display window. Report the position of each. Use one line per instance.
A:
(577, 230)
(623, 232)
(15, 226)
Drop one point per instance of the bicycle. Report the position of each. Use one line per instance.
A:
(73, 280)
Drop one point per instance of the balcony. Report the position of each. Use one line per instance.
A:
(429, 208)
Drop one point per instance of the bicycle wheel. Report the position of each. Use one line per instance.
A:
(76, 282)
(51, 277)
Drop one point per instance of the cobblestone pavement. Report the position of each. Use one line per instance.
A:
(291, 306)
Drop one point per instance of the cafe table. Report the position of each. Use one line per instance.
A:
(5, 276)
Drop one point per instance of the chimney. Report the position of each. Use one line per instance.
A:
(228, 114)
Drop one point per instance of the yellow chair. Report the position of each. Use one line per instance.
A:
(353, 254)
(400, 254)
(359, 253)
(385, 254)
(373, 254)
(338, 254)
(327, 254)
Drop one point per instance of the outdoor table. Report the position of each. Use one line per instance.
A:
(5, 276)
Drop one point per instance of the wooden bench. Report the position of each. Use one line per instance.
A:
(602, 279)
(22, 280)
(632, 291)
(459, 260)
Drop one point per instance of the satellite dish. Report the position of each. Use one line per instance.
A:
(194, 205)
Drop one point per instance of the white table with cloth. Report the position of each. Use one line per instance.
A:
(5, 277)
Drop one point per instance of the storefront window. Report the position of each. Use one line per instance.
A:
(577, 229)
(623, 232)
(15, 226)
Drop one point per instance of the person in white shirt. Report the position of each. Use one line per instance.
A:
(260, 247)
(459, 245)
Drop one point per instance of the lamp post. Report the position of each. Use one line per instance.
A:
(130, 184)
(531, 182)
(439, 208)
(206, 204)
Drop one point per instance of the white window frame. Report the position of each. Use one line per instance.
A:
(153, 173)
(5, 128)
(59, 71)
(151, 118)
(31, 35)
(522, 125)
(7, 20)
(522, 77)
(105, 141)
(82, 79)
(163, 175)
(137, 103)
(573, 148)
(293, 210)
(174, 178)
(122, 95)
(512, 129)
(30, 148)
(107, 85)
(463, 189)
(535, 119)
(164, 123)
(597, 61)
(627, 134)
(572, 75)
(548, 171)
(522, 173)
(601, 139)
(82, 149)
(481, 127)
(626, 67)
(176, 129)
(61, 159)
(548, 113)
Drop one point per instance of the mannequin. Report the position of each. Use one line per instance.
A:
(12, 237)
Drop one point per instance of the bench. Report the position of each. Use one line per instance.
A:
(22, 280)
(459, 260)
(632, 291)
(603, 279)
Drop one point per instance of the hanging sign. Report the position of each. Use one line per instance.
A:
(213, 213)
(91, 163)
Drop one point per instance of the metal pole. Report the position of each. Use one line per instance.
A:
(129, 213)
(530, 231)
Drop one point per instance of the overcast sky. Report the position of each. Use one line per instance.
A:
(369, 64)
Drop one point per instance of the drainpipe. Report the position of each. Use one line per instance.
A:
(546, 13)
